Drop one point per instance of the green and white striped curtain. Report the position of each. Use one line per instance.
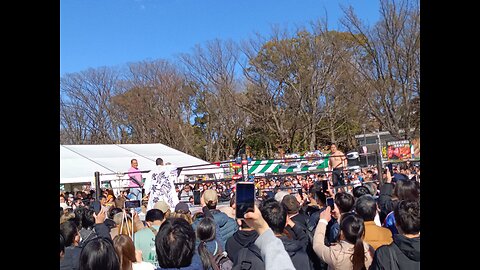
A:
(278, 166)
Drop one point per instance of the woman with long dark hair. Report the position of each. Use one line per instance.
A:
(209, 246)
(350, 252)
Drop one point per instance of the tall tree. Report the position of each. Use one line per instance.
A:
(211, 70)
(388, 63)
(85, 113)
(154, 106)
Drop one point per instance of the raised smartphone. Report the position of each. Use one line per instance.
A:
(245, 198)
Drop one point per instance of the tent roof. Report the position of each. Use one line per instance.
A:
(78, 163)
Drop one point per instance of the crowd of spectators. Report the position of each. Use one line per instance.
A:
(371, 225)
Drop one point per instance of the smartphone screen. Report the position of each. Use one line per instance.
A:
(196, 197)
(330, 202)
(132, 204)
(324, 185)
(245, 198)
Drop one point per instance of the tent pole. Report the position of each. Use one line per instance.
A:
(97, 186)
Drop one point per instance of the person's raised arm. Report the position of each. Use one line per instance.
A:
(272, 249)
(322, 251)
(100, 228)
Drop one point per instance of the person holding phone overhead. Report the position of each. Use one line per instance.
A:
(337, 162)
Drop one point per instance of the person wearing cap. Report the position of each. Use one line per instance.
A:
(164, 207)
(183, 211)
(227, 225)
(280, 194)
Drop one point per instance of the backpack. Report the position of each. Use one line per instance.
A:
(249, 258)
(220, 260)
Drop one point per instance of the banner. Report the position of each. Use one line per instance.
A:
(399, 150)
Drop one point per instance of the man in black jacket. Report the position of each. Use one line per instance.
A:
(404, 252)
(275, 214)
(241, 250)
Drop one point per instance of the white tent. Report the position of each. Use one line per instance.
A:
(78, 163)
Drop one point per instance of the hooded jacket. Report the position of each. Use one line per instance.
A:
(403, 253)
(239, 240)
(245, 240)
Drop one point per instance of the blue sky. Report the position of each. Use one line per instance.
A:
(95, 33)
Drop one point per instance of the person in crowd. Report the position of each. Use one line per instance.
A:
(86, 217)
(318, 202)
(404, 251)
(208, 246)
(275, 215)
(185, 193)
(230, 210)
(109, 220)
(99, 253)
(272, 249)
(175, 245)
(279, 195)
(110, 199)
(293, 207)
(73, 245)
(399, 176)
(130, 259)
(120, 200)
(164, 207)
(372, 188)
(317, 205)
(69, 232)
(391, 194)
(358, 191)
(365, 190)
(183, 211)
(337, 162)
(350, 252)
(126, 224)
(136, 182)
(375, 236)
(144, 239)
(67, 215)
(344, 203)
(241, 249)
(227, 225)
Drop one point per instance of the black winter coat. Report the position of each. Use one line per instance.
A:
(402, 253)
